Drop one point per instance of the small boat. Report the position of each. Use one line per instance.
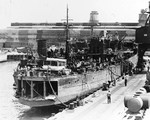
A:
(9, 54)
(18, 54)
(15, 56)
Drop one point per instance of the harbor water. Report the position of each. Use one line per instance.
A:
(10, 108)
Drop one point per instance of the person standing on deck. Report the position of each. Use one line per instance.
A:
(108, 97)
(126, 79)
(109, 82)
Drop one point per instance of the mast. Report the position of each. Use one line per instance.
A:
(67, 36)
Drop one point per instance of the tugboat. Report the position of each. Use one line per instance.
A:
(51, 81)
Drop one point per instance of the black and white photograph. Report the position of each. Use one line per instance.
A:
(74, 59)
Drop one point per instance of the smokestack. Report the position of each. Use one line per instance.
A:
(142, 17)
(94, 17)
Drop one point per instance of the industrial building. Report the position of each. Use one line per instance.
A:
(26, 34)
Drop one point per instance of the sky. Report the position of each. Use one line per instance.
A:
(79, 10)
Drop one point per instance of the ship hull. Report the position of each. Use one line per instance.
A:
(36, 103)
(69, 87)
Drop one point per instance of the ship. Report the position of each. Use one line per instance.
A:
(59, 76)
(11, 54)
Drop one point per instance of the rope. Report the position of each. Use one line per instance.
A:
(52, 87)
(113, 72)
(52, 91)
(56, 95)
(125, 62)
(34, 89)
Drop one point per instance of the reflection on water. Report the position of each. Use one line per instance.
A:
(10, 109)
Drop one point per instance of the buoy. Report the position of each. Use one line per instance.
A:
(133, 103)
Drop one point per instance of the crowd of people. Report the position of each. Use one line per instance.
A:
(56, 52)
